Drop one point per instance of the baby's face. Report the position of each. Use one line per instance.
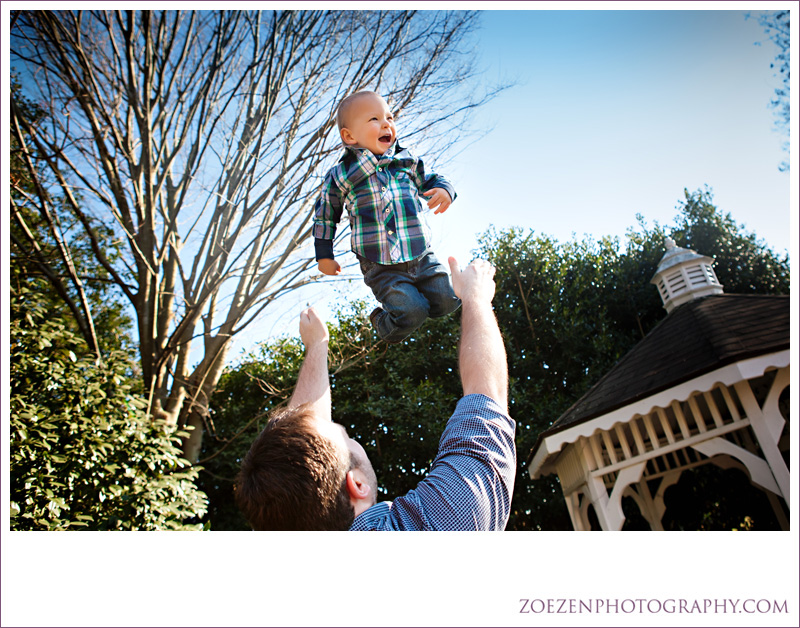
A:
(369, 124)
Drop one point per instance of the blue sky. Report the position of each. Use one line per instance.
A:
(613, 114)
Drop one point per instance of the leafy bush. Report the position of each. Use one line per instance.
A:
(84, 454)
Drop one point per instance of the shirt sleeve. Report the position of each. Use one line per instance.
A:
(425, 182)
(327, 214)
(471, 479)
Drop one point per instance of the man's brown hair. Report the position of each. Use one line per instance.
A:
(293, 478)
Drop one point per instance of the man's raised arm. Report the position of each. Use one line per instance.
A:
(313, 385)
(482, 355)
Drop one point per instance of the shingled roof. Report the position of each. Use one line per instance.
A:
(697, 337)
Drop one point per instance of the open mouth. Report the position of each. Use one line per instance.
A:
(387, 138)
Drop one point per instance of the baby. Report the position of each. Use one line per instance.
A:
(379, 183)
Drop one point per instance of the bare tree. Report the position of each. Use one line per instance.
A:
(202, 138)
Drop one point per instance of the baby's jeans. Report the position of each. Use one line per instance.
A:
(409, 293)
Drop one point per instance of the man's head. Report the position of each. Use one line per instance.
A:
(304, 474)
(365, 120)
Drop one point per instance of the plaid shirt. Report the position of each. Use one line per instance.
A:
(382, 196)
(470, 482)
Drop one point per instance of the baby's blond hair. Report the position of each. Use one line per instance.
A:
(345, 105)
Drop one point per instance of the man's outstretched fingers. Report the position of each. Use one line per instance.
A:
(453, 265)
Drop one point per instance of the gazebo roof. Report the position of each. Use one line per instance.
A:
(696, 338)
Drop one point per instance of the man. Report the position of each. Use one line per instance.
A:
(304, 473)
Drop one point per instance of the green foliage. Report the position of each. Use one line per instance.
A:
(83, 452)
(568, 312)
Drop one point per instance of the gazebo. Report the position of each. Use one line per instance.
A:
(708, 385)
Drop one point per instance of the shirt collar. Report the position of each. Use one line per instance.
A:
(371, 517)
(356, 150)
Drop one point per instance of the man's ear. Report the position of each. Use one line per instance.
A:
(357, 485)
(347, 136)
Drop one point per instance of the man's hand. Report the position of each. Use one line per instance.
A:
(313, 387)
(329, 266)
(438, 200)
(312, 330)
(475, 282)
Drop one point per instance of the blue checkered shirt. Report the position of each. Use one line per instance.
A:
(470, 482)
(382, 196)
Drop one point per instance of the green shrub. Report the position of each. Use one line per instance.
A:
(84, 454)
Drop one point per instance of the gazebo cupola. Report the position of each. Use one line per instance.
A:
(684, 275)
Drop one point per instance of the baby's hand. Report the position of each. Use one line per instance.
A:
(438, 200)
(329, 266)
